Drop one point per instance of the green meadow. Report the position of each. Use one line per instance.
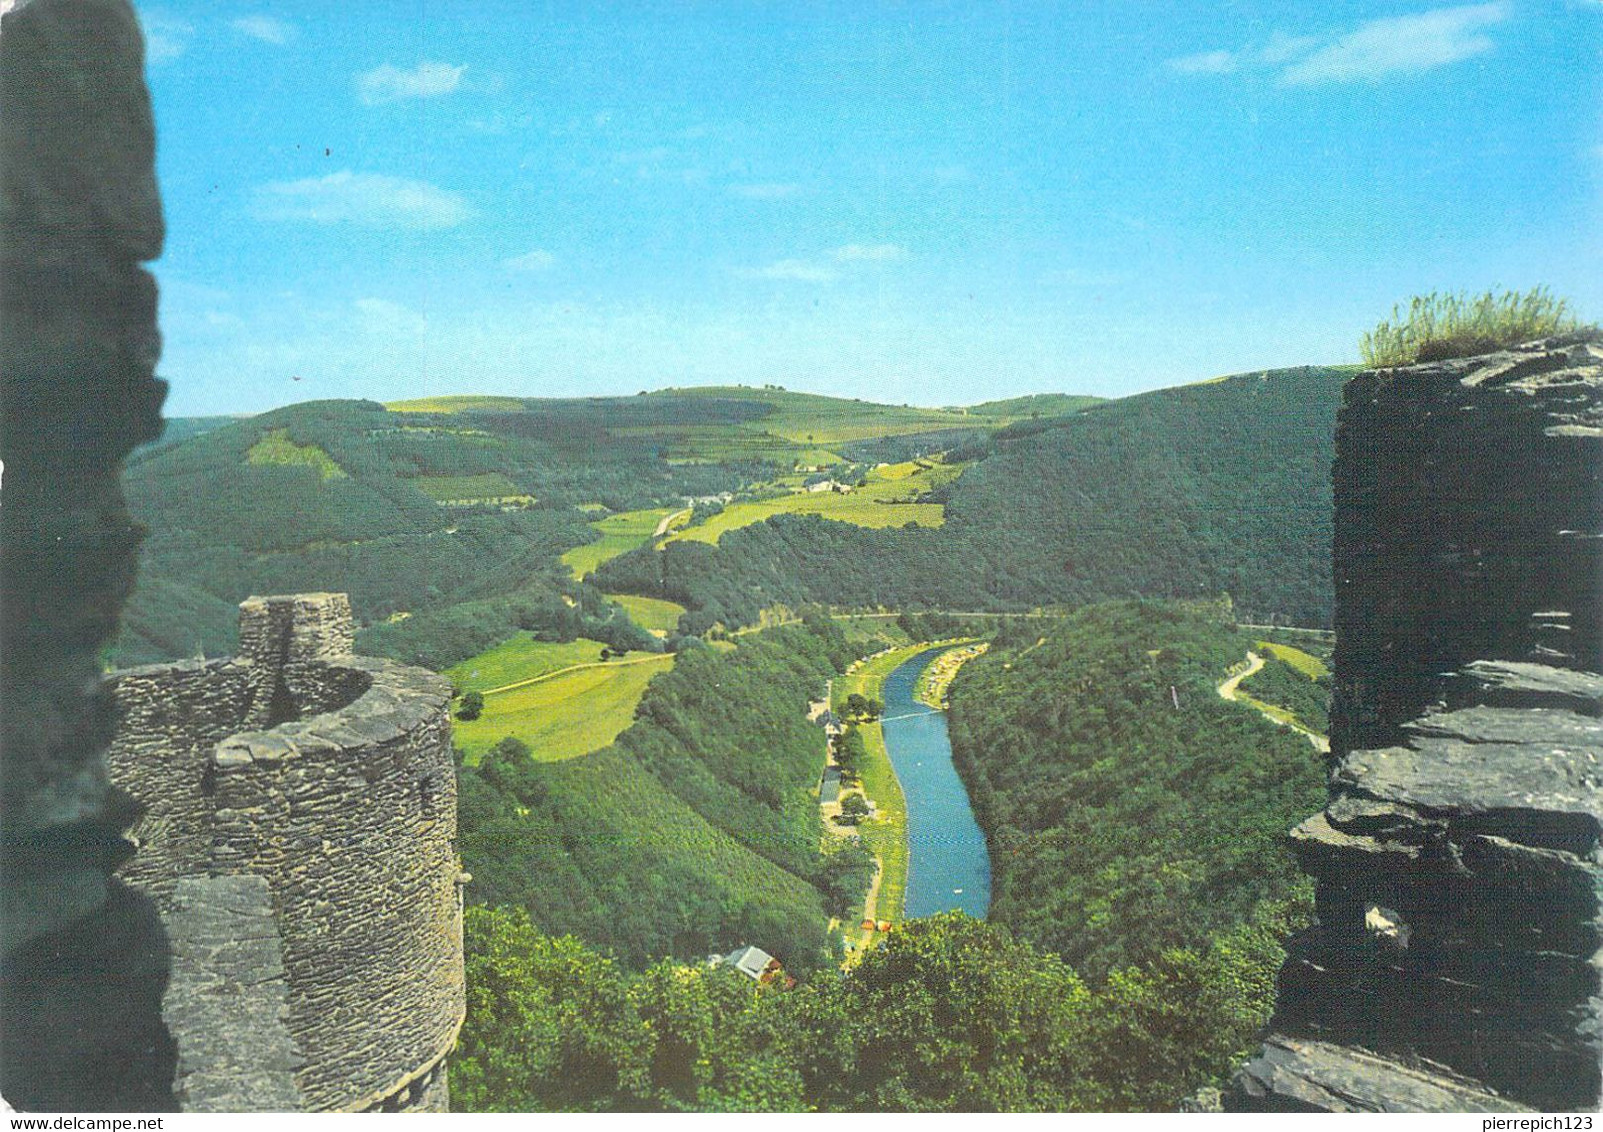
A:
(620, 534)
(886, 500)
(652, 614)
(564, 715)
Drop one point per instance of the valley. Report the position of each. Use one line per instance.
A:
(636, 600)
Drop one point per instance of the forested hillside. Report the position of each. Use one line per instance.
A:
(446, 520)
(1222, 487)
(697, 830)
(1129, 808)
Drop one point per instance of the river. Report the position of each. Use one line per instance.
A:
(948, 863)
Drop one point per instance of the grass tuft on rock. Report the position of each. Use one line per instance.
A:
(1440, 326)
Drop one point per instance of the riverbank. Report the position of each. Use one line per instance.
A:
(885, 834)
(936, 679)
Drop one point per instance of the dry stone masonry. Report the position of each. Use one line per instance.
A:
(1456, 958)
(298, 778)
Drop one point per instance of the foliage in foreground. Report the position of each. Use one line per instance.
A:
(951, 1014)
(1439, 326)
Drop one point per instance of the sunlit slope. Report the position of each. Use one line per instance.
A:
(892, 496)
(1213, 488)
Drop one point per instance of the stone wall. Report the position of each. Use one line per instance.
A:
(344, 804)
(83, 959)
(1456, 958)
(229, 998)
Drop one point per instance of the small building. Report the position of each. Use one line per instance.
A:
(829, 789)
(755, 963)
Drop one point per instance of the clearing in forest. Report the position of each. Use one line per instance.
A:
(560, 699)
(887, 499)
(620, 534)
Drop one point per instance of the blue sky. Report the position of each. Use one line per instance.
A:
(921, 203)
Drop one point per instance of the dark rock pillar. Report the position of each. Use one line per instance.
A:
(84, 958)
(1456, 960)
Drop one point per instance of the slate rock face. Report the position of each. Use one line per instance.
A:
(1456, 960)
(84, 958)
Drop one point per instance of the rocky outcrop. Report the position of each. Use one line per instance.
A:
(84, 957)
(320, 786)
(1455, 962)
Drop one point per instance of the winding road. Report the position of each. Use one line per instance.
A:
(1230, 690)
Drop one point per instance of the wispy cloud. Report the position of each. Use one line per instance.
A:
(829, 266)
(1204, 63)
(390, 317)
(1401, 45)
(1376, 49)
(166, 36)
(798, 269)
(368, 199)
(265, 28)
(765, 190)
(388, 83)
(537, 260)
(869, 252)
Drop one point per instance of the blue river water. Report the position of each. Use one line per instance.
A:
(948, 863)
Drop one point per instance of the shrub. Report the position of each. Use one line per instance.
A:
(1438, 326)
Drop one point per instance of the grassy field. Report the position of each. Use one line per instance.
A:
(805, 418)
(522, 658)
(566, 715)
(276, 447)
(461, 404)
(1306, 663)
(883, 502)
(620, 534)
(651, 614)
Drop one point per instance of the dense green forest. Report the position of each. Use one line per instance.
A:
(696, 830)
(949, 1015)
(1218, 487)
(1128, 807)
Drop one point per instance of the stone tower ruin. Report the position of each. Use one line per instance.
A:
(298, 838)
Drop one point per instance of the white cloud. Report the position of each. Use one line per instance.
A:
(265, 28)
(389, 83)
(798, 269)
(1205, 63)
(1376, 49)
(369, 199)
(765, 190)
(1283, 48)
(166, 36)
(390, 318)
(1401, 45)
(536, 260)
(872, 252)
